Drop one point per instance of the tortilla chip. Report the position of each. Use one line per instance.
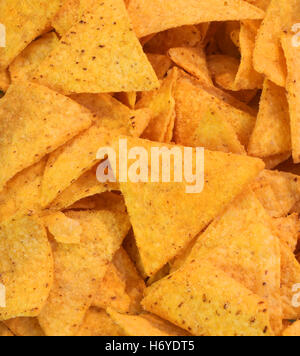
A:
(122, 287)
(185, 36)
(98, 323)
(293, 330)
(272, 134)
(27, 327)
(162, 105)
(290, 277)
(191, 299)
(23, 67)
(79, 270)
(247, 250)
(24, 21)
(156, 16)
(292, 54)
(62, 228)
(33, 123)
(26, 266)
(112, 62)
(128, 99)
(268, 55)
(202, 104)
(67, 16)
(157, 218)
(287, 229)
(274, 161)
(4, 331)
(262, 4)
(226, 39)
(22, 193)
(4, 80)
(193, 60)
(145, 325)
(160, 63)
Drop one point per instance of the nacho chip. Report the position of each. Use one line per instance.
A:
(293, 330)
(160, 63)
(79, 270)
(98, 323)
(247, 250)
(33, 123)
(193, 60)
(290, 277)
(4, 331)
(24, 21)
(268, 54)
(162, 105)
(157, 218)
(156, 16)
(25, 327)
(112, 62)
(22, 193)
(287, 229)
(122, 287)
(202, 104)
(62, 228)
(145, 325)
(67, 16)
(191, 299)
(26, 266)
(272, 134)
(4, 80)
(29, 60)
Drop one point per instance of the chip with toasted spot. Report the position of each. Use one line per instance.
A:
(67, 16)
(112, 62)
(26, 266)
(35, 121)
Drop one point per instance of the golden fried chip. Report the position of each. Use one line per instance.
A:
(159, 220)
(79, 269)
(160, 63)
(26, 266)
(113, 61)
(25, 327)
(29, 60)
(287, 229)
(33, 123)
(62, 228)
(24, 21)
(272, 134)
(242, 244)
(205, 301)
(67, 16)
(156, 16)
(122, 287)
(145, 325)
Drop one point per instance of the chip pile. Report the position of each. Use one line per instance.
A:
(84, 258)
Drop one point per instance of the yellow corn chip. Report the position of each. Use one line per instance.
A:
(242, 244)
(156, 16)
(159, 220)
(25, 327)
(205, 301)
(29, 60)
(26, 266)
(112, 62)
(98, 323)
(33, 123)
(79, 270)
(272, 134)
(287, 229)
(67, 16)
(193, 60)
(160, 63)
(145, 325)
(268, 54)
(4, 331)
(293, 330)
(64, 229)
(24, 21)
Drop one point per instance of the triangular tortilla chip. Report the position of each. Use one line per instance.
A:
(26, 266)
(272, 134)
(35, 121)
(268, 53)
(156, 16)
(207, 302)
(160, 63)
(24, 21)
(99, 54)
(165, 216)
(247, 250)
(26, 327)
(79, 270)
(145, 325)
